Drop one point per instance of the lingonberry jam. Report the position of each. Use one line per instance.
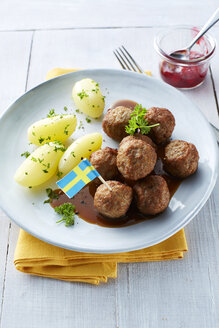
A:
(184, 76)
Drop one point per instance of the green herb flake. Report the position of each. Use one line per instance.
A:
(77, 110)
(33, 159)
(33, 133)
(82, 94)
(65, 130)
(65, 109)
(137, 122)
(73, 154)
(51, 113)
(67, 210)
(26, 173)
(41, 140)
(45, 171)
(40, 160)
(88, 120)
(92, 142)
(26, 154)
(59, 174)
(51, 194)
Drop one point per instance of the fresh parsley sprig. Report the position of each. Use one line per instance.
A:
(67, 210)
(137, 122)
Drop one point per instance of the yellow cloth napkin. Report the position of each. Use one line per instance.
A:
(39, 258)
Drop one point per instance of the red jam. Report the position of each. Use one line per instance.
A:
(184, 76)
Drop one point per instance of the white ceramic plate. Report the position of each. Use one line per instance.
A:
(25, 206)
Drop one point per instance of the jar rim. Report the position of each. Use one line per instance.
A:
(168, 57)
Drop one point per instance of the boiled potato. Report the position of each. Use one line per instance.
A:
(78, 150)
(88, 97)
(58, 127)
(40, 166)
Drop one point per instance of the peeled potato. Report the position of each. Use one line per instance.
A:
(40, 166)
(78, 150)
(88, 97)
(58, 127)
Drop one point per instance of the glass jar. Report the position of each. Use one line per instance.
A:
(189, 73)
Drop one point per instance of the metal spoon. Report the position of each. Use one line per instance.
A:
(183, 54)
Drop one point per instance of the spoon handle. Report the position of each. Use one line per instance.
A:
(212, 20)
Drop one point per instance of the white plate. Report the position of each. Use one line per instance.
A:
(25, 206)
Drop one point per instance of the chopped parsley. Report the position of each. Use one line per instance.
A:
(59, 174)
(88, 120)
(41, 140)
(65, 130)
(51, 194)
(82, 94)
(51, 113)
(67, 210)
(65, 109)
(26, 154)
(45, 171)
(77, 110)
(137, 122)
(40, 160)
(73, 153)
(33, 159)
(59, 146)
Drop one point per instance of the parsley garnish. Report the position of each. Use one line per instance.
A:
(77, 110)
(65, 109)
(33, 159)
(82, 94)
(26, 154)
(73, 153)
(59, 174)
(65, 130)
(51, 194)
(67, 210)
(137, 122)
(88, 120)
(59, 146)
(51, 113)
(41, 140)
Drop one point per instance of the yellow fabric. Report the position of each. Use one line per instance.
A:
(39, 258)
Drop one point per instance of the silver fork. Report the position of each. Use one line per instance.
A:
(129, 63)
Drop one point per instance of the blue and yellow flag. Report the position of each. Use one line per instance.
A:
(76, 179)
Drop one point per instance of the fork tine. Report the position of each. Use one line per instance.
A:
(119, 60)
(133, 68)
(138, 67)
(122, 60)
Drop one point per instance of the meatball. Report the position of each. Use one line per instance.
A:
(180, 158)
(135, 158)
(104, 161)
(165, 118)
(115, 121)
(152, 195)
(145, 139)
(115, 203)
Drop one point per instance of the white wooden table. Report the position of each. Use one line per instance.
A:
(36, 36)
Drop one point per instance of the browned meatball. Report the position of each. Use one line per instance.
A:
(115, 121)
(145, 139)
(135, 158)
(104, 161)
(180, 158)
(165, 118)
(152, 195)
(115, 203)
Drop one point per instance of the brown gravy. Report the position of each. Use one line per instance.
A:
(124, 102)
(84, 201)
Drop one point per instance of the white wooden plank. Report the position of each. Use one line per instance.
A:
(12, 81)
(49, 14)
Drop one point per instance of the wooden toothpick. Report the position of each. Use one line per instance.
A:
(106, 184)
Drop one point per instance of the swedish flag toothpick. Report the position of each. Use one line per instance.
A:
(76, 179)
